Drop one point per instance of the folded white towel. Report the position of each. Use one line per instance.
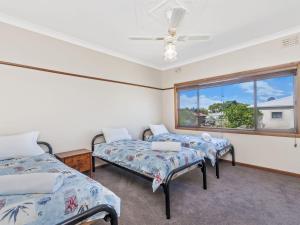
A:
(31, 183)
(165, 146)
(206, 137)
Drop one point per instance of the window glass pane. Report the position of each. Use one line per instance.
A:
(277, 91)
(188, 107)
(239, 105)
(276, 115)
(210, 107)
(227, 106)
(276, 119)
(232, 106)
(275, 102)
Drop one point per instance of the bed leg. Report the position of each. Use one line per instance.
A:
(114, 219)
(233, 155)
(217, 167)
(203, 169)
(93, 164)
(166, 188)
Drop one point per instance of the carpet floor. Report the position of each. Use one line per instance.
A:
(242, 196)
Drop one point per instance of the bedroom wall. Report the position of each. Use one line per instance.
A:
(266, 151)
(69, 111)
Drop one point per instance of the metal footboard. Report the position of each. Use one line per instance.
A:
(167, 182)
(218, 157)
(111, 215)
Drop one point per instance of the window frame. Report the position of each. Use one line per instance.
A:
(294, 107)
(240, 77)
(277, 118)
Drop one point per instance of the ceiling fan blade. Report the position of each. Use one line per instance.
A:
(140, 38)
(193, 37)
(176, 17)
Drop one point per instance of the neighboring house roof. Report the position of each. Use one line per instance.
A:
(200, 114)
(286, 101)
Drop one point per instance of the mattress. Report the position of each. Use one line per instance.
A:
(210, 148)
(137, 155)
(78, 194)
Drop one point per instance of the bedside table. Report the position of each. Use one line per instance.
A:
(80, 160)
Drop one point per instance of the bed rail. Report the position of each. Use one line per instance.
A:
(167, 182)
(98, 136)
(50, 149)
(111, 215)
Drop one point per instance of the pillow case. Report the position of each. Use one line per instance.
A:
(20, 145)
(115, 134)
(158, 129)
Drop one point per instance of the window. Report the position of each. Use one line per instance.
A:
(275, 98)
(188, 108)
(276, 115)
(263, 103)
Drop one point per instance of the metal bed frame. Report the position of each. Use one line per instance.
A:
(166, 184)
(111, 214)
(218, 155)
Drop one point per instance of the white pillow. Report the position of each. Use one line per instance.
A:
(115, 134)
(20, 145)
(158, 129)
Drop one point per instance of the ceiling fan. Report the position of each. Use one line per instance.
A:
(174, 17)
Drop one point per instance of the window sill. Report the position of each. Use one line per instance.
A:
(247, 132)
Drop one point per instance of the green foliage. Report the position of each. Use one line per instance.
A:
(239, 115)
(235, 114)
(203, 110)
(220, 107)
(216, 107)
(187, 117)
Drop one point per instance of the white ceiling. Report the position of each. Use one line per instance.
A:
(105, 25)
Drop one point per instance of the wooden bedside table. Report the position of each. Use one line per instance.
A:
(80, 160)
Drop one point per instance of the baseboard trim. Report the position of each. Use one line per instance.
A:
(282, 172)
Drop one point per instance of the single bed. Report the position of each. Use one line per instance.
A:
(78, 199)
(213, 149)
(159, 167)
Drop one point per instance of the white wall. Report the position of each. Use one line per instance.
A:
(67, 110)
(273, 152)
(286, 122)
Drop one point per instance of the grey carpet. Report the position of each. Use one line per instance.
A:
(242, 196)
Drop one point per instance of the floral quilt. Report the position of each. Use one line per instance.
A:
(138, 156)
(77, 194)
(210, 148)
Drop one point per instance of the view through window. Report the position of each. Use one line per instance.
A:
(265, 103)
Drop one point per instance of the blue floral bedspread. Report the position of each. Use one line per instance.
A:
(77, 194)
(196, 142)
(138, 156)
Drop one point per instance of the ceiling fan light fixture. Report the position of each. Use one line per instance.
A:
(170, 52)
(174, 15)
